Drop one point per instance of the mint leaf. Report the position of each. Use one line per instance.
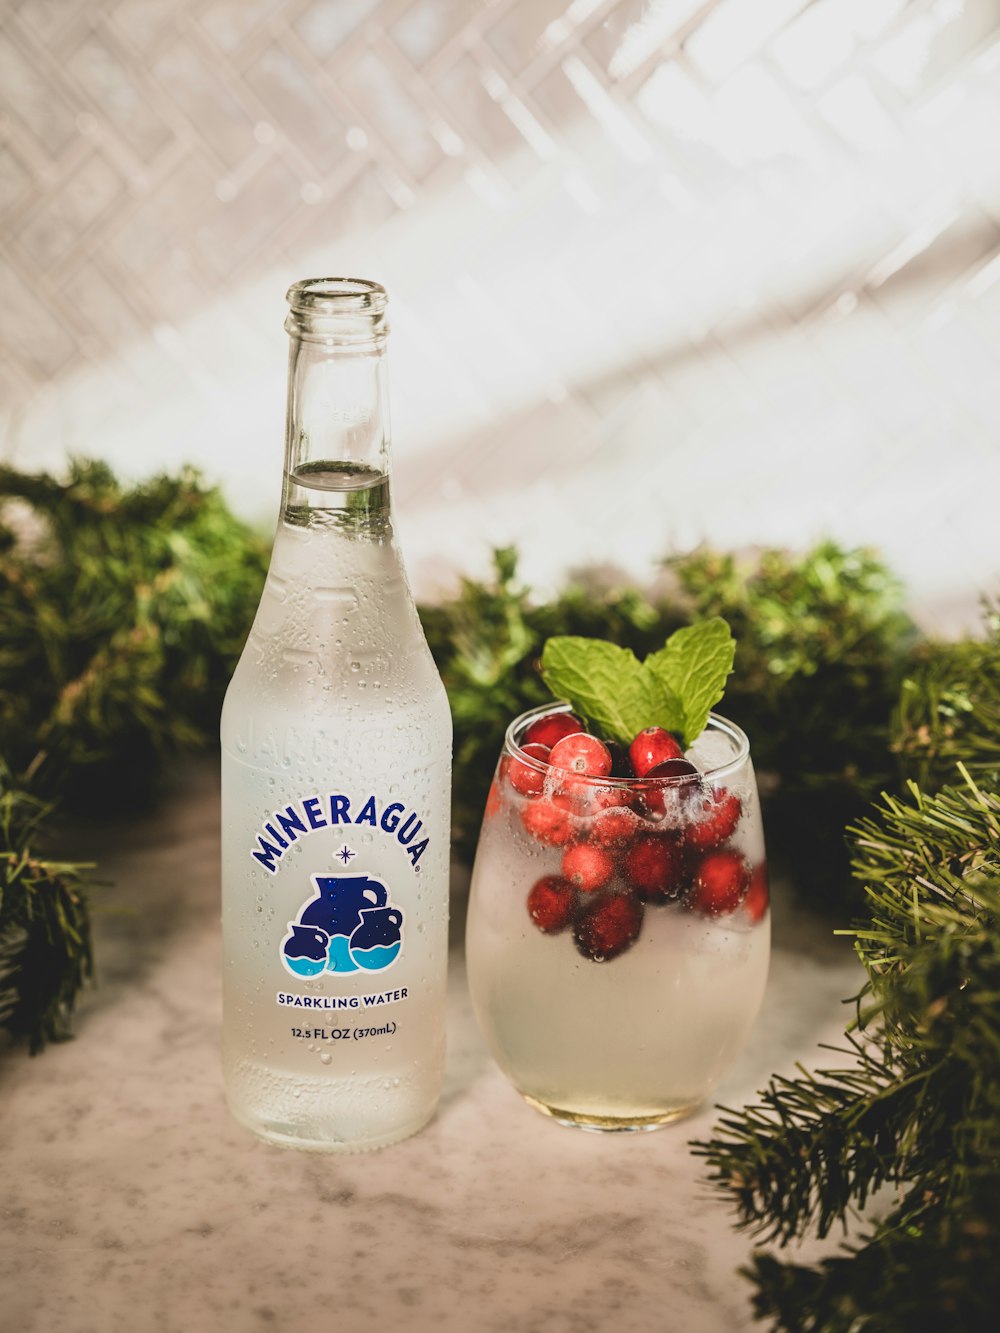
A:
(609, 686)
(694, 665)
(674, 688)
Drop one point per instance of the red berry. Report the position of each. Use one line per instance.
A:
(681, 771)
(567, 798)
(493, 801)
(527, 778)
(720, 883)
(654, 865)
(756, 902)
(716, 822)
(551, 904)
(606, 797)
(607, 926)
(582, 754)
(676, 776)
(589, 796)
(652, 747)
(551, 728)
(588, 867)
(547, 822)
(614, 828)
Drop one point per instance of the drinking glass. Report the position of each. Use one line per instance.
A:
(618, 933)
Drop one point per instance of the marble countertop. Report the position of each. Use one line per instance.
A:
(130, 1201)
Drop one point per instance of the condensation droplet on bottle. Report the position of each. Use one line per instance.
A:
(326, 1058)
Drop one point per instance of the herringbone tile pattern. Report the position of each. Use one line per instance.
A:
(661, 269)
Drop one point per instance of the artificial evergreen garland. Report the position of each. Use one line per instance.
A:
(122, 612)
(45, 953)
(917, 1106)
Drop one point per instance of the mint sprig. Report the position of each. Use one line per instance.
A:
(674, 688)
(695, 664)
(608, 685)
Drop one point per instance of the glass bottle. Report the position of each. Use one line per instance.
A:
(336, 766)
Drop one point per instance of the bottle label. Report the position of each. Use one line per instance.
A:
(344, 915)
(348, 924)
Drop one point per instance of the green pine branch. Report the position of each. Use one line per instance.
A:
(919, 1106)
(45, 949)
(122, 613)
(949, 708)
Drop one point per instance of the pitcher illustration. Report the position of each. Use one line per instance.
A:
(339, 901)
(337, 915)
(377, 941)
(305, 950)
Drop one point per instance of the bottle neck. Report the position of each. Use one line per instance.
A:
(337, 427)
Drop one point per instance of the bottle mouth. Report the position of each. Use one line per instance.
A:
(343, 314)
(336, 296)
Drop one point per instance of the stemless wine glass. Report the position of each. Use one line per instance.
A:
(619, 934)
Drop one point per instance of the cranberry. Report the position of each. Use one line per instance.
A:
(527, 778)
(567, 797)
(680, 770)
(590, 797)
(493, 801)
(583, 797)
(588, 867)
(582, 754)
(614, 828)
(717, 821)
(674, 775)
(720, 883)
(552, 903)
(758, 894)
(551, 728)
(654, 866)
(607, 926)
(652, 747)
(547, 822)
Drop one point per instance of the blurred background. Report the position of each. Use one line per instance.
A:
(661, 270)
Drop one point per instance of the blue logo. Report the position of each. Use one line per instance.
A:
(348, 925)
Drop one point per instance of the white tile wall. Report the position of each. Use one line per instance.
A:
(661, 270)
